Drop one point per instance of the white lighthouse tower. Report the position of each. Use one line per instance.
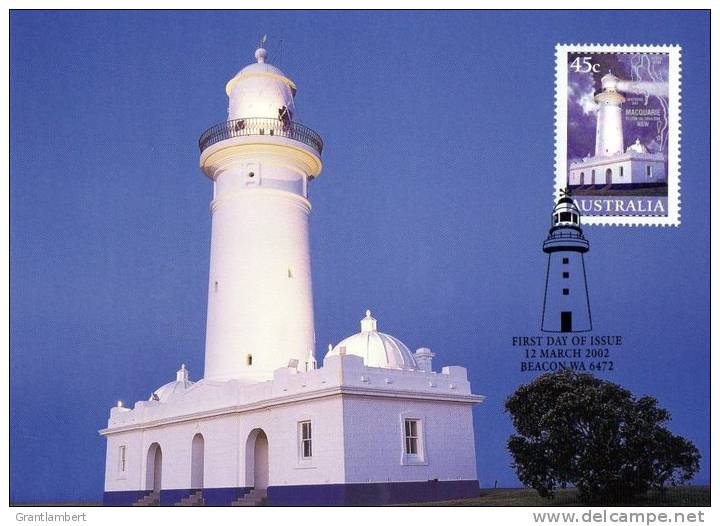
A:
(260, 307)
(609, 130)
(374, 423)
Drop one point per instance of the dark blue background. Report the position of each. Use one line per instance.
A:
(431, 209)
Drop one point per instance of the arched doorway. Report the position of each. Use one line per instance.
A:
(197, 462)
(257, 465)
(608, 176)
(153, 473)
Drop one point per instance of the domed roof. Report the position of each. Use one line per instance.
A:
(260, 69)
(376, 348)
(637, 147)
(182, 382)
(566, 204)
(261, 91)
(609, 81)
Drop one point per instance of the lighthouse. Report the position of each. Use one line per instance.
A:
(566, 307)
(260, 161)
(613, 165)
(372, 422)
(609, 129)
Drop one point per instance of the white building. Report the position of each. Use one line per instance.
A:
(613, 164)
(375, 424)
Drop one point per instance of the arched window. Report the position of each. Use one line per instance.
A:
(197, 462)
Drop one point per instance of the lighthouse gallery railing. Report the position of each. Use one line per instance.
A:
(260, 126)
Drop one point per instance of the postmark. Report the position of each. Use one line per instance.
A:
(617, 132)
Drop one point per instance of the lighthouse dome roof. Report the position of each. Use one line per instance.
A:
(259, 69)
(260, 90)
(377, 349)
(637, 147)
(165, 392)
(609, 81)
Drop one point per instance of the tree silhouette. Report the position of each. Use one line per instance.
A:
(575, 429)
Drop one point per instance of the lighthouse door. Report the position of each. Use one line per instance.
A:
(565, 321)
(261, 461)
(153, 475)
(257, 467)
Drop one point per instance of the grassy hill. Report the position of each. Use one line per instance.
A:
(696, 496)
(680, 496)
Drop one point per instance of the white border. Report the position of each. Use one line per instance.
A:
(674, 74)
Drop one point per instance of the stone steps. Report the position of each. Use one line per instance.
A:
(194, 499)
(256, 497)
(152, 499)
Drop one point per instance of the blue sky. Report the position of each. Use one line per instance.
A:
(431, 209)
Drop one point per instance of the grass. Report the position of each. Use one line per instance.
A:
(680, 496)
(620, 192)
(695, 496)
(57, 504)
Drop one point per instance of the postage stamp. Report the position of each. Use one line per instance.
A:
(617, 132)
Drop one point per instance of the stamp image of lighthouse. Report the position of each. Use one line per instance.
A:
(566, 307)
(621, 146)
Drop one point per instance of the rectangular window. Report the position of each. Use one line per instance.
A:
(566, 292)
(621, 171)
(565, 216)
(411, 436)
(566, 261)
(648, 170)
(566, 275)
(122, 459)
(306, 439)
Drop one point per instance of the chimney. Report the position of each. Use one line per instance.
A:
(423, 357)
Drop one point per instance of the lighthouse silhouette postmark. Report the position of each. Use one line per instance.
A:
(617, 135)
